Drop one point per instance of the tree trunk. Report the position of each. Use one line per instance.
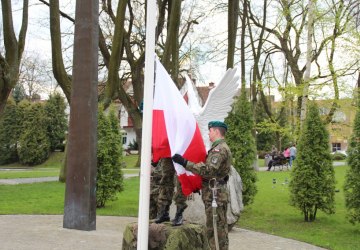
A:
(10, 64)
(170, 58)
(306, 81)
(242, 44)
(233, 11)
(60, 74)
(116, 53)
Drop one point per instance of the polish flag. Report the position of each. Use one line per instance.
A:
(175, 130)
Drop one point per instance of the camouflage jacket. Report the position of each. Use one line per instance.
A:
(217, 165)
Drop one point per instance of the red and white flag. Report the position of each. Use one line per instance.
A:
(174, 129)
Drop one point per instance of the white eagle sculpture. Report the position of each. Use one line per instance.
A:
(217, 107)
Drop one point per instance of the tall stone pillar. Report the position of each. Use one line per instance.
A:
(80, 199)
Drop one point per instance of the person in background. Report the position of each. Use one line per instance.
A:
(286, 153)
(292, 154)
(215, 173)
(274, 152)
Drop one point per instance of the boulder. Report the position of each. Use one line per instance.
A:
(195, 212)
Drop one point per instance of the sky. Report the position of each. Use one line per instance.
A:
(38, 42)
(38, 36)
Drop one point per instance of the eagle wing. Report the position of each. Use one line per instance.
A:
(218, 104)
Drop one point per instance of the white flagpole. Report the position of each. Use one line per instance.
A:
(144, 199)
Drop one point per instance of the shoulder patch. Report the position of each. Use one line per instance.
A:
(214, 159)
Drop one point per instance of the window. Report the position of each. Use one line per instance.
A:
(339, 117)
(124, 138)
(336, 147)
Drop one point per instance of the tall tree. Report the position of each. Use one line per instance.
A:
(288, 31)
(352, 178)
(13, 47)
(242, 145)
(122, 46)
(312, 184)
(56, 121)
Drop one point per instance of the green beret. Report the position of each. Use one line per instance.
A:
(220, 124)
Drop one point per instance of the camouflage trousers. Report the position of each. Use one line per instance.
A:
(222, 226)
(167, 185)
(154, 191)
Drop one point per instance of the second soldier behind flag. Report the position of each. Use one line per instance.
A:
(166, 194)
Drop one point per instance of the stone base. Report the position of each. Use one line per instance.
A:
(195, 212)
(165, 236)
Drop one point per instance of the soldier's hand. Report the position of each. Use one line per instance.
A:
(179, 159)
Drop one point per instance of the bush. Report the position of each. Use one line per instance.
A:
(242, 145)
(109, 179)
(56, 121)
(34, 145)
(312, 184)
(133, 145)
(9, 134)
(262, 154)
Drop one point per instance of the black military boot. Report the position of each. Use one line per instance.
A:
(163, 214)
(178, 220)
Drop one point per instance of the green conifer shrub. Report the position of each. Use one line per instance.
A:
(352, 178)
(34, 145)
(56, 121)
(9, 133)
(312, 184)
(109, 180)
(242, 145)
(18, 93)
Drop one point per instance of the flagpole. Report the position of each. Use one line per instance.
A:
(144, 199)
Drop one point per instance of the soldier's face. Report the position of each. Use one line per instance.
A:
(212, 134)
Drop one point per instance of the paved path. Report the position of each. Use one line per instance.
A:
(27, 180)
(45, 232)
(40, 179)
(46, 179)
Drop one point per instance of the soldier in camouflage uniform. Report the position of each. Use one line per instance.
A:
(217, 166)
(166, 193)
(154, 189)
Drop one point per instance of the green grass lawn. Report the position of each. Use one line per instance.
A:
(130, 161)
(31, 173)
(48, 198)
(270, 213)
